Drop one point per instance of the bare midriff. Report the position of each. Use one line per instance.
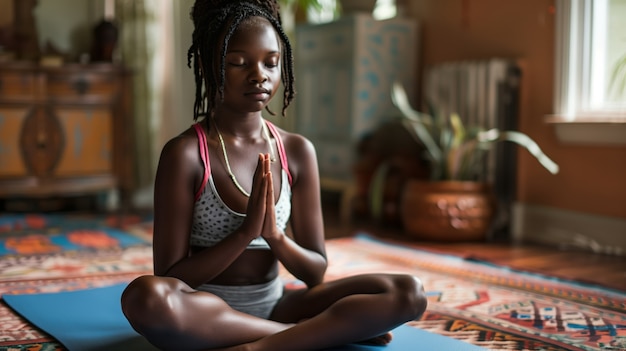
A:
(253, 266)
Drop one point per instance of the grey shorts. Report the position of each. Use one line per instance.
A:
(258, 300)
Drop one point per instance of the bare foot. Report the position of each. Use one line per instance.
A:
(380, 340)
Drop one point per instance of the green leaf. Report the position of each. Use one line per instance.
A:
(377, 190)
(457, 129)
(523, 140)
(416, 121)
(456, 152)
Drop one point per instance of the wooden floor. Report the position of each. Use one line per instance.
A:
(598, 269)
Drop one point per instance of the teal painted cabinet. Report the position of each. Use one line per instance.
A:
(344, 72)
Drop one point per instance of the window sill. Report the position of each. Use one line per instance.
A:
(609, 131)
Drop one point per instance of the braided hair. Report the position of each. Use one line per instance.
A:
(216, 20)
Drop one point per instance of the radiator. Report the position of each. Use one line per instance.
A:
(485, 94)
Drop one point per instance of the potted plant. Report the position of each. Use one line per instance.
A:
(293, 11)
(452, 205)
(304, 5)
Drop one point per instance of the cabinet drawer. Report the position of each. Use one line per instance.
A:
(326, 41)
(82, 87)
(17, 86)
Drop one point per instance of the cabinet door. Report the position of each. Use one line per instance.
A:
(335, 159)
(325, 101)
(87, 141)
(324, 79)
(11, 123)
(41, 142)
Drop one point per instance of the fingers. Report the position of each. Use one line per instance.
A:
(267, 165)
(269, 196)
(262, 168)
(269, 226)
(256, 210)
(267, 172)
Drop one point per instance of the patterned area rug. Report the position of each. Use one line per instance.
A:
(51, 253)
(488, 306)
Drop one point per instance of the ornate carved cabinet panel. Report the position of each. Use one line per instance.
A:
(64, 130)
(344, 72)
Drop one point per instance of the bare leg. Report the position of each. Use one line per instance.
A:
(344, 311)
(172, 316)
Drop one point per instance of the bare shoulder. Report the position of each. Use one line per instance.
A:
(296, 145)
(181, 154)
(301, 153)
(181, 143)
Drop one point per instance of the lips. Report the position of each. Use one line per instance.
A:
(258, 91)
(258, 94)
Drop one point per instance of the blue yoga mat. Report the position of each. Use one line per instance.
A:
(92, 320)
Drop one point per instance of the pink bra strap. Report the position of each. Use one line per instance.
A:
(281, 150)
(204, 154)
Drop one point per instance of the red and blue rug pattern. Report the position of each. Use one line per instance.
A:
(490, 306)
(42, 253)
(33, 234)
(485, 305)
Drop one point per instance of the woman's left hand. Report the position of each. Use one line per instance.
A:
(270, 231)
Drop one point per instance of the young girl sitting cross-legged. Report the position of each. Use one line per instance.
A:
(225, 191)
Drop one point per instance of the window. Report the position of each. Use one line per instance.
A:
(590, 96)
(327, 11)
(591, 59)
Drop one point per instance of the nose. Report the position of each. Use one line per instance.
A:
(258, 74)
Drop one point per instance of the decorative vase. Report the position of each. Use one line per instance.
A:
(447, 210)
(105, 36)
(26, 39)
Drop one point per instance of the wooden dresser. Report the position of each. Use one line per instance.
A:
(65, 130)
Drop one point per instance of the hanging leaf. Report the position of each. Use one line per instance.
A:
(456, 152)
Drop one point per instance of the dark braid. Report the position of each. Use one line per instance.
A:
(216, 18)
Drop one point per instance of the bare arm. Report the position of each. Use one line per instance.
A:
(305, 255)
(179, 175)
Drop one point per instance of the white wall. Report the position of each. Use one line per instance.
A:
(182, 79)
(67, 24)
(175, 81)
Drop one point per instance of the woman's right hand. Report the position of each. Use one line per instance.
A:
(255, 212)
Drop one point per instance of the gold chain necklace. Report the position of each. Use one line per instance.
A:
(266, 135)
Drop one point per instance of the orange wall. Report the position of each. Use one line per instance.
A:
(6, 13)
(592, 178)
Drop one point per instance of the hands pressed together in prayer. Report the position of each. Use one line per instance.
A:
(261, 215)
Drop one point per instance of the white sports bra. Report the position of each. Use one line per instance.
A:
(213, 220)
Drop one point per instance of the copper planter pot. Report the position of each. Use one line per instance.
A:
(447, 210)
